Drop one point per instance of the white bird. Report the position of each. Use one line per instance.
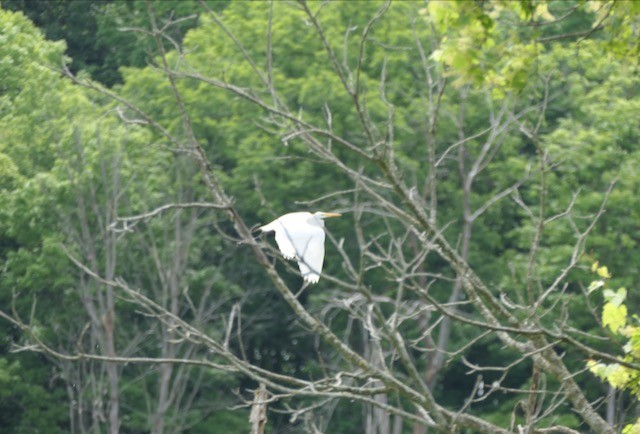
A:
(300, 236)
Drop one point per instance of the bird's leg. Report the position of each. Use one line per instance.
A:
(302, 288)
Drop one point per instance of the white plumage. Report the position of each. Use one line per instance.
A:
(300, 236)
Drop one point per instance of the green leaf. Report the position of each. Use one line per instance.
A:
(595, 285)
(604, 272)
(614, 317)
(615, 297)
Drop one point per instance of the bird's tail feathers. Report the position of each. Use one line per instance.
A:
(267, 228)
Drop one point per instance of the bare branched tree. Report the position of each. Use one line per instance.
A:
(390, 352)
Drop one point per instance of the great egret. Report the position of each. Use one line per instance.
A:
(300, 236)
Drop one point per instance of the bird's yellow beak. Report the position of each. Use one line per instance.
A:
(330, 214)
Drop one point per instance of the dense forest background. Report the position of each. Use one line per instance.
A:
(485, 156)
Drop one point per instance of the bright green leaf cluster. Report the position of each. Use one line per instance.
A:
(615, 317)
(479, 45)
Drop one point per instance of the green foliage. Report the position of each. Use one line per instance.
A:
(498, 44)
(26, 396)
(480, 44)
(479, 51)
(66, 159)
(29, 251)
(621, 21)
(615, 317)
(9, 174)
(22, 49)
(103, 36)
(68, 167)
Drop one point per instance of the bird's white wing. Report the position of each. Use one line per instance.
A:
(310, 250)
(284, 239)
(285, 227)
